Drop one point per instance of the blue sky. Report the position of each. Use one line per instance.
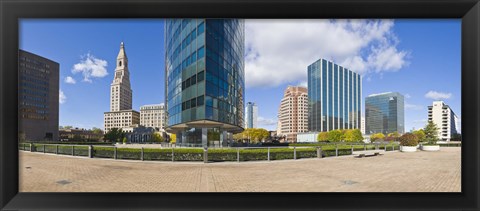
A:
(413, 57)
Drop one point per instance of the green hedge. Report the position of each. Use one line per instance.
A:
(214, 154)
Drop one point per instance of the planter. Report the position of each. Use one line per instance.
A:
(431, 148)
(408, 148)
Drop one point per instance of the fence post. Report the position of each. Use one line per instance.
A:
(73, 150)
(115, 152)
(173, 155)
(268, 153)
(90, 151)
(205, 155)
(352, 149)
(336, 150)
(43, 148)
(319, 152)
(238, 155)
(294, 153)
(56, 149)
(385, 146)
(31, 149)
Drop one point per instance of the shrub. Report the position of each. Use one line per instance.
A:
(408, 139)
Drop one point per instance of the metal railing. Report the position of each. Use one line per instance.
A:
(237, 154)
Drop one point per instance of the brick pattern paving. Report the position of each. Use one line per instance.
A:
(390, 172)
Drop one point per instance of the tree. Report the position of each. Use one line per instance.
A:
(377, 137)
(156, 137)
(238, 136)
(322, 136)
(420, 134)
(335, 135)
(97, 131)
(431, 133)
(173, 138)
(357, 135)
(114, 135)
(408, 139)
(394, 136)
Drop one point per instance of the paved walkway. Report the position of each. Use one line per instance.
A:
(391, 172)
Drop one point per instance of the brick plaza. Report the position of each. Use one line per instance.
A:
(391, 172)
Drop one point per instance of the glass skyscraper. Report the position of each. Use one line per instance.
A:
(384, 113)
(251, 115)
(334, 97)
(205, 79)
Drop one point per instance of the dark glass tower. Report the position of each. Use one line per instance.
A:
(205, 79)
(334, 97)
(384, 113)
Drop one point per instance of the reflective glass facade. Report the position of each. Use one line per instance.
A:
(205, 78)
(384, 113)
(334, 97)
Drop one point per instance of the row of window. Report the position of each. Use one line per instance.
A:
(192, 103)
(193, 80)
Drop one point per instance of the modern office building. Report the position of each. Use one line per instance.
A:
(153, 116)
(443, 116)
(121, 114)
(205, 79)
(335, 95)
(293, 113)
(38, 97)
(251, 115)
(385, 113)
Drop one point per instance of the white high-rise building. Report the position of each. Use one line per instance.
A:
(442, 115)
(121, 114)
(362, 125)
(153, 116)
(251, 115)
(293, 113)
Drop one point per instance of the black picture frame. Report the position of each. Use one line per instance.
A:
(467, 10)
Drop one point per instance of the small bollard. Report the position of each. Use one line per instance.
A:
(90, 151)
(205, 155)
(56, 149)
(268, 153)
(385, 146)
(31, 148)
(44, 148)
(173, 155)
(352, 149)
(336, 150)
(319, 152)
(73, 150)
(238, 155)
(393, 147)
(294, 153)
(115, 153)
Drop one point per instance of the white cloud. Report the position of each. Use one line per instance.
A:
(438, 95)
(407, 96)
(279, 51)
(70, 80)
(61, 97)
(90, 67)
(266, 121)
(413, 107)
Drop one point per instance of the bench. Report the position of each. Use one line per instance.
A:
(362, 154)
